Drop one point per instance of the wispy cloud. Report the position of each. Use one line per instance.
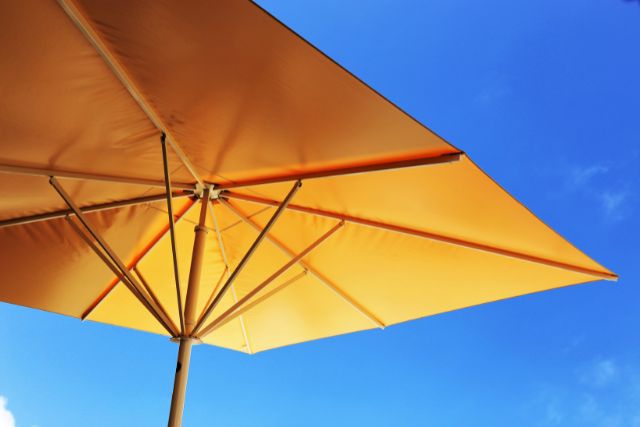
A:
(603, 393)
(596, 182)
(600, 373)
(582, 175)
(553, 412)
(493, 92)
(593, 412)
(6, 417)
(614, 202)
(574, 344)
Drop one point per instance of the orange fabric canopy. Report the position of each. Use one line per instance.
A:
(416, 228)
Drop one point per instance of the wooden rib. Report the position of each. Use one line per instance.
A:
(152, 294)
(312, 271)
(346, 170)
(35, 171)
(216, 287)
(131, 282)
(137, 293)
(242, 323)
(225, 260)
(427, 235)
(293, 261)
(91, 208)
(241, 310)
(258, 212)
(247, 256)
(85, 27)
(172, 232)
(96, 249)
(139, 257)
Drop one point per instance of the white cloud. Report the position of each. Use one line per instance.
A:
(604, 393)
(582, 175)
(602, 372)
(492, 93)
(553, 412)
(593, 413)
(615, 202)
(6, 417)
(612, 202)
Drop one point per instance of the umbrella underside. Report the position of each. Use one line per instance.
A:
(391, 222)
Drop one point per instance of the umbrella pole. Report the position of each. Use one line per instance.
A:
(180, 382)
(190, 315)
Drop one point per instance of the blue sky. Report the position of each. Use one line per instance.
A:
(545, 96)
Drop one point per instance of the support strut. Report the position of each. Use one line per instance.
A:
(172, 232)
(115, 262)
(207, 312)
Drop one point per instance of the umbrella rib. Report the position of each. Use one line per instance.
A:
(215, 288)
(426, 235)
(312, 271)
(138, 258)
(238, 222)
(207, 312)
(216, 227)
(166, 323)
(293, 261)
(243, 327)
(152, 294)
(91, 208)
(241, 310)
(136, 292)
(94, 247)
(424, 160)
(113, 268)
(172, 231)
(92, 36)
(35, 171)
(227, 271)
(190, 221)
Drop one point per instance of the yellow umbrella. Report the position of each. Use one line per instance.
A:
(319, 207)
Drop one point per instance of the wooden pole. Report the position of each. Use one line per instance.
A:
(180, 382)
(190, 317)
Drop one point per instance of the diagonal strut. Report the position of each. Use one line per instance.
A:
(130, 281)
(207, 312)
(172, 231)
(426, 235)
(138, 258)
(227, 271)
(92, 36)
(241, 310)
(293, 261)
(312, 271)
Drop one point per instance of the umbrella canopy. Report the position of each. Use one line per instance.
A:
(319, 207)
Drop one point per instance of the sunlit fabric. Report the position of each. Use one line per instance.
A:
(245, 101)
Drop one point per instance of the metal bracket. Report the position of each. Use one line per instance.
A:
(214, 194)
(198, 190)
